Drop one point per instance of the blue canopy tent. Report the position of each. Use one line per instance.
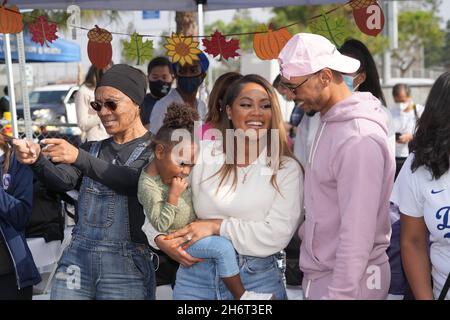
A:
(58, 51)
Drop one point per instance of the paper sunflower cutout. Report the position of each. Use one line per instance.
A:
(182, 49)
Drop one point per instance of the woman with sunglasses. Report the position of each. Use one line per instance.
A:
(108, 257)
(18, 273)
(89, 123)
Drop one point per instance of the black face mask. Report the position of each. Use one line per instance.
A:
(159, 88)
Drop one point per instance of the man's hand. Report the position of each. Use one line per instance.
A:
(59, 150)
(27, 152)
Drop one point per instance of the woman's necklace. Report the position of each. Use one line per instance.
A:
(246, 172)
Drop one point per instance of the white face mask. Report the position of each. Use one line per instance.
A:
(403, 105)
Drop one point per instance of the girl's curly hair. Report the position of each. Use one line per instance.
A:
(178, 116)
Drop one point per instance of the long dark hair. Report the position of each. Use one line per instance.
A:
(93, 76)
(7, 156)
(217, 94)
(431, 142)
(230, 169)
(358, 50)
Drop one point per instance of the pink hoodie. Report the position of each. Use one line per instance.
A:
(348, 182)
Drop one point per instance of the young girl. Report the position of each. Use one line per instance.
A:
(18, 272)
(166, 197)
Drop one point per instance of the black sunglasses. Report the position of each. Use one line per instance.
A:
(97, 106)
(294, 87)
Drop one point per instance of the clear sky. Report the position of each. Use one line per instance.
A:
(445, 10)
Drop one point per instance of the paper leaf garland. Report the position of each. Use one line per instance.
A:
(182, 49)
(137, 49)
(10, 19)
(99, 47)
(268, 45)
(331, 28)
(43, 31)
(370, 20)
(218, 45)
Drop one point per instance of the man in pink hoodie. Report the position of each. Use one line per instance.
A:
(349, 175)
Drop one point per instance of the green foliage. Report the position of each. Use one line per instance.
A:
(446, 50)
(60, 16)
(138, 49)
(335, 28)
(241, 23)
(421, 28)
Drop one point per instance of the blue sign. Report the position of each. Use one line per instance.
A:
(58, 51)
(150, 14)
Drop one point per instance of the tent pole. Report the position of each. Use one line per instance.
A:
(10, 78)
(201, 31)
(23, 81)
(201, 26)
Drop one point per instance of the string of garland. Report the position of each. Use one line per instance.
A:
(197, 36)
(267, 42)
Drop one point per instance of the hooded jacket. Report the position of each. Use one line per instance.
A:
(16, 194)
(348, 182)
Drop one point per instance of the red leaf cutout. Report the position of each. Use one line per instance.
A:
(43, 31)
(218, 45)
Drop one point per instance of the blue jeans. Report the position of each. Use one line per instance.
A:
(221, 250)
(102, 262)
(202, 280)
(89, 270)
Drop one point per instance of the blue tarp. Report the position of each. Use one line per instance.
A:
(58, 51)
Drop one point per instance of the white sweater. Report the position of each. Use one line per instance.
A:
(256, 218)
(88, 120)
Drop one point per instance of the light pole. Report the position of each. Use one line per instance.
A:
(391, 32)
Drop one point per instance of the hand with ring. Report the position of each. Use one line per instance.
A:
(195, 231)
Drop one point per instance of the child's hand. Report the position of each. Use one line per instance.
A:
(177, 187)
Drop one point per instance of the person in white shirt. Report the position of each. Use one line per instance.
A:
(253, 197)
(304, 138)
(189, 78)
(405, 115)
(88, 120)
(422, 192)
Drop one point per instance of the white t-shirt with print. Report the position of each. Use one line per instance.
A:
(404, 122)
(419, 195)
(160, 109)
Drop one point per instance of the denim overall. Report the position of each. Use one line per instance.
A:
(101, 262)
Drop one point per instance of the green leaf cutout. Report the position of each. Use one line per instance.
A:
(333, 28)
(137, 49)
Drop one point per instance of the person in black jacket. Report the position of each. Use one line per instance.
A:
(18, 272)
(4, 102)
(108, 257)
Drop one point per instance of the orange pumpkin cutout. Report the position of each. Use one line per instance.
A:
(99, 47)
(268, 45)
(10, 19)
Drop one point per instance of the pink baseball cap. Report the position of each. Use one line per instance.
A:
(307, 53)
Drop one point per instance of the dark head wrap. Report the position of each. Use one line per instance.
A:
(130, 81)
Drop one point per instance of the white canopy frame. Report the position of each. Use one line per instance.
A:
(177, 5)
